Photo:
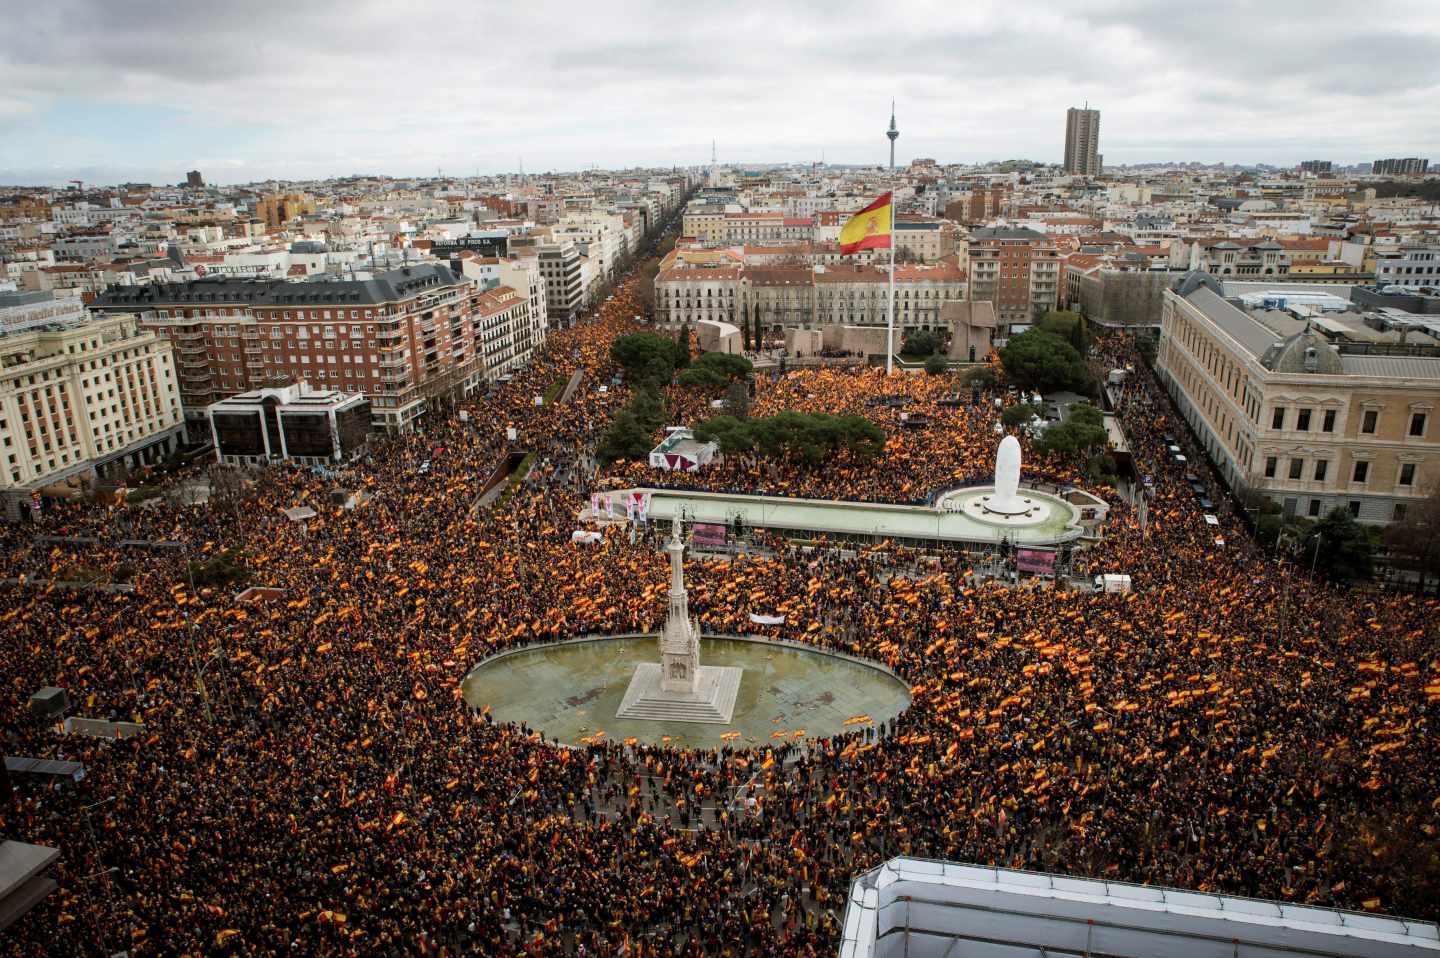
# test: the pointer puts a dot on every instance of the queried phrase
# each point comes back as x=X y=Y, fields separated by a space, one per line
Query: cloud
x=307 y=89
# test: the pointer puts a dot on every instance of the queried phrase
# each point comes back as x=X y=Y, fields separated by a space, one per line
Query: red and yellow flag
x=869 y=228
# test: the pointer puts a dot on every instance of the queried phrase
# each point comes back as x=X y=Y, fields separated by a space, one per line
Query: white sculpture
x=1007 y=480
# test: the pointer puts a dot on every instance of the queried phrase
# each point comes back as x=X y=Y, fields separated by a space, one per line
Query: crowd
x=309 y=779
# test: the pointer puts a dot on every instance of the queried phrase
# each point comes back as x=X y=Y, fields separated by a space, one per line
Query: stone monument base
x=712 y=702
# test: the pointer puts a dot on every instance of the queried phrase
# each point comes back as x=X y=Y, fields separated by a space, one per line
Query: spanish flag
x=869 y=228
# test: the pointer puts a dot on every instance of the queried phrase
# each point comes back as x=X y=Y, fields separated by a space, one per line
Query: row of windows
x=1360 y=470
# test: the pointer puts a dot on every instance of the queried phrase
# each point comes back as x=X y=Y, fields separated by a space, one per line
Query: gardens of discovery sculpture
x=1007 y=480
x=678 y=688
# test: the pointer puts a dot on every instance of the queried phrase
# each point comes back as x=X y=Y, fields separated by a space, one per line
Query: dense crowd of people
x=309 y=779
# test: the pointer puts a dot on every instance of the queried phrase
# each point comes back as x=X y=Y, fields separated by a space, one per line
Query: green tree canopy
x=981 y=376
x=935 y=364
x=812 y=437
x=920 y=342
x=646 y=356
x=1083 y=428
x=624 y=438
x=1019 y=413
x=1039 y=360
x=715 y=370
x=1346 y=553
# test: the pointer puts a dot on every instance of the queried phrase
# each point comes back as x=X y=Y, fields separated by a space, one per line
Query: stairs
x=712 y=704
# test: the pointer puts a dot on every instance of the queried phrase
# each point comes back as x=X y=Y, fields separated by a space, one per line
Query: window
x=1328 y=424
x=1322 y=466
x=1355 y=507
x=1302 y=420
x=1399 y=513
x=1417 y=424
x=1314 y=507
x=1407 y=474
x=1270 y=463
x=1361 y=473
x=1277 y=421
x=1296 y=468
x=1368 y=426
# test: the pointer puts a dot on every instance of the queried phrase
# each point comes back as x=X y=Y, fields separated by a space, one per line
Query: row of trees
x=812 y=437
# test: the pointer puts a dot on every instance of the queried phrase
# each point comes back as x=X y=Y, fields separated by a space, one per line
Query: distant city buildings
x=1402 y=166
x=194 y=180
x=1082 y=142
x=1317 y=167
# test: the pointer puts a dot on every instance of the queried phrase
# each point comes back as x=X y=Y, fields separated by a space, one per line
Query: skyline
x=110 y=93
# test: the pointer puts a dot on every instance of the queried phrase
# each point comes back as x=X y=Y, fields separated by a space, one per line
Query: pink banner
x=708 y=534
x=1035 y=560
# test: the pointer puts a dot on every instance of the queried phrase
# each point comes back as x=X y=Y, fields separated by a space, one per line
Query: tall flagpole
x=890 y=312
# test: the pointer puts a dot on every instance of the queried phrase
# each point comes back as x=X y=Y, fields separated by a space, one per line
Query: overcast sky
x=114 y=90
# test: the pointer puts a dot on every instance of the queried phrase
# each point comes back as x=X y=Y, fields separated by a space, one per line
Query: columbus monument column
x=678 y=688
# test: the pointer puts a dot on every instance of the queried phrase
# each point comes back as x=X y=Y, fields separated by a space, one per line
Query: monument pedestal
x=712 y=701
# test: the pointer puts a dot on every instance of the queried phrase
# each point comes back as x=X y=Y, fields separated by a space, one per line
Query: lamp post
x=95 y=850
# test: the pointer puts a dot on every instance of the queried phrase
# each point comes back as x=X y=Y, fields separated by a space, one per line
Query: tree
x=715 y=371
x=919 y=342
x=1083 y=429
x=935 y=364
x=981 y=377
x=645 y=356
x=648 y=408
x=1414 y=542
x=624 y=438
x=1039 y=360
x=810 y=436
x=737 y=401
x=682 y=348
x=1345 y=551
x=745 y=329
x=1019 y=414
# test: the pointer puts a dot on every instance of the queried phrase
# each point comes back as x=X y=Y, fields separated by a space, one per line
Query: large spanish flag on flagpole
x=869 y=228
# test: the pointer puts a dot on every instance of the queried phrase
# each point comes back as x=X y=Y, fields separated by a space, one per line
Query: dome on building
x=1305 y=352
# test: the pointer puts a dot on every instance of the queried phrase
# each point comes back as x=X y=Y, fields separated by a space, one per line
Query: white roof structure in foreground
x=930 y=909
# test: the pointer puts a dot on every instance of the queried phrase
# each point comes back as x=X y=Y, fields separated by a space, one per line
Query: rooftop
x=920 y=907
x=388 y=287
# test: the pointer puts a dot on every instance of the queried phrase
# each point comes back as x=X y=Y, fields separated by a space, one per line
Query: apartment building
x=275 y=211
x=79 y=400
x=566 y=285
x=1314 y=410
x=1413 y=266
x=1018 y=270
x=1400 y=166
x=925 y=241
x=402 y=338
x=1082 y=142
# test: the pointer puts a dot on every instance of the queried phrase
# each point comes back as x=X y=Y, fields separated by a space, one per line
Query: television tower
x=894 y=134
